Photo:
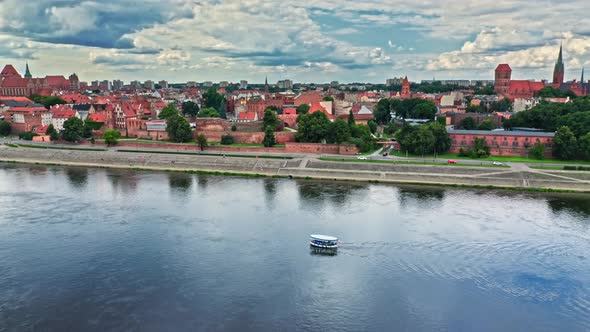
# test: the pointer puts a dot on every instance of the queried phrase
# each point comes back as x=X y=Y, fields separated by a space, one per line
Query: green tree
x=442 y=140
x=303 y=109
x=47 y=101
x=313 y=128
x=167 y=112
x=584 y=146
x=424 y=110
x=202 y=141
x=565 y=144
x=52 y=132
x=538 y=151
x=339 y=132
x=227 y=139
x=442 y=120
x=486 y=125
x=269 y=137
x=4 y=128
x=190 y=108
x=372 y=126
x=328 y=98
x=111 y=136
x=351 y=121
x=391 y=128
x=73 y=129
x=208 y=112
x=382 y=111
x=178 y=128
x=468 y=123
x=89 y=126
x=215 y=100
x=480 y=148
x=269 y=120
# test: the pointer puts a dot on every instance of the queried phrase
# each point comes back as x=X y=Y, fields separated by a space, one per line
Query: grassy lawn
x=11 y=145
x=205 y=154
x=58 y=147
x=497 y=158
x=553 y=168
x=412 y=163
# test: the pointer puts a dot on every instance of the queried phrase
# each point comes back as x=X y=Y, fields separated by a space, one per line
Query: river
x=86 y=249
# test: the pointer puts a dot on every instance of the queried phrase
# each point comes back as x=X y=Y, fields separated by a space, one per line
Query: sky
x=303 y=40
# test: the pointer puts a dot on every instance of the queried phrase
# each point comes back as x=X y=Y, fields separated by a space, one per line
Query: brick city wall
x=246 y=137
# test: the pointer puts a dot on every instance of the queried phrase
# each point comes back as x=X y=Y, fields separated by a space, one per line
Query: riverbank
x=309 y=168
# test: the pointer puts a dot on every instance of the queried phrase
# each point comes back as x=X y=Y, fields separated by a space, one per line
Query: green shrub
x=27 y=136
x=227 y=140
x=234 y=128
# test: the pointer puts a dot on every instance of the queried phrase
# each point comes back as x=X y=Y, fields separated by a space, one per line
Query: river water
x=111 y=250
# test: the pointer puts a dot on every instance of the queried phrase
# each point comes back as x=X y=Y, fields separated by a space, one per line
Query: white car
x=361 y=158
x=497 y=163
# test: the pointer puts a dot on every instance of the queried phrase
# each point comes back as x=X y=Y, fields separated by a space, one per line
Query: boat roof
x=323 y=237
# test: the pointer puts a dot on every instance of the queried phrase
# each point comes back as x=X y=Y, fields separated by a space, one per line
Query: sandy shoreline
x=308 y=168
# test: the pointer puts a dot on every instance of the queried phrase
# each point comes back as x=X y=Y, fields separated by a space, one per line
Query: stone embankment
x=310 y=167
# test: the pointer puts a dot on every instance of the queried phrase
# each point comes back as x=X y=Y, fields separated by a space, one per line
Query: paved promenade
x=517 y=176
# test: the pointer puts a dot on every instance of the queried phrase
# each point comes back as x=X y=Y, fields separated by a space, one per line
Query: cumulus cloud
x=297 y=37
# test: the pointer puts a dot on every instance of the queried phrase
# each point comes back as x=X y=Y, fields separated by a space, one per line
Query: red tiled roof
x=41 y=130
x=64 y=113
x=45 y=92
x=98 y=117
x=520 y=86
x=308 y=98
x=317 y=107
x=56 y=81
x=503 y=67
x=23 y=100
x=248 y=116
x=28 y=109
x=9 y=71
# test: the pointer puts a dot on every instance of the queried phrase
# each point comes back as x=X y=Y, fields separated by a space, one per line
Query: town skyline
x=181 y=40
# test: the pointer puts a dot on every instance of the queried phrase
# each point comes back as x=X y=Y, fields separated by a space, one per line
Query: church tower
x=266 y=89
x=559 y=70
x=406 y=93
x=28 y=72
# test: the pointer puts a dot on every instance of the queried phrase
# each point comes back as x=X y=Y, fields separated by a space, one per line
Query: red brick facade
x=501 y=143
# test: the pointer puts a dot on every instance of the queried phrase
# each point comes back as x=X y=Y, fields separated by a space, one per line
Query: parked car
x=497 y=163
x=385 y=154
x=452 y=161
x=361 y=158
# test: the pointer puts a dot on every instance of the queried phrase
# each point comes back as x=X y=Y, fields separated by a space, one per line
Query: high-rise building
x=285 y=84
x=223 y=84
x=117 y=85
x=559 y=70
x=135 y=84
x=191 y=84
x=207 y=84
x=334 y=84
x=105 y=85
x=95 y=84
x=394 y=81
x=149 y=85
x=163 y=84
x=243 y=84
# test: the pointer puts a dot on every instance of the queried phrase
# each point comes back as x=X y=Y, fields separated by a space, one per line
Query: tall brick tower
x=559 y=70
x=406 y=93
x=503 y=76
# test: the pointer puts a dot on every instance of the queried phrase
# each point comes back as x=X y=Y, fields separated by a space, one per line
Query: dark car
x=385 y=154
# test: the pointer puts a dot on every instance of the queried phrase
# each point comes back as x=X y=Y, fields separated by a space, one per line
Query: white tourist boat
x=323 y=241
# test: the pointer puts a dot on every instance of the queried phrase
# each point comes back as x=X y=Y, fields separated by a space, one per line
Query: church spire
x=28 y=72
x=582 y=78
x=559 y=70
x=266 y=85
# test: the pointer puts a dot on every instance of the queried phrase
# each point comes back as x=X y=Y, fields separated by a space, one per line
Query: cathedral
x=13 y=84
x=505 y=86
